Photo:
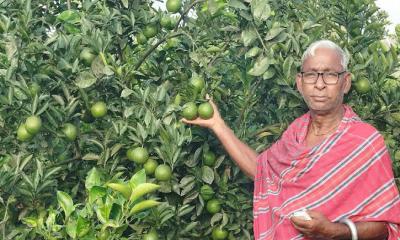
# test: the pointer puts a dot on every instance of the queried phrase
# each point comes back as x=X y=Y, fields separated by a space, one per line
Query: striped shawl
x=348 y=175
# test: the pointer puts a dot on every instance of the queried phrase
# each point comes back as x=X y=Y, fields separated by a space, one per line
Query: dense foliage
x=91 y=92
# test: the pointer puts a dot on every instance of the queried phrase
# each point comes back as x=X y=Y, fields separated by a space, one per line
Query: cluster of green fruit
x=167 y=22
x=33 y=124
x=213 y=204
x=140 y=156
x=29 y=128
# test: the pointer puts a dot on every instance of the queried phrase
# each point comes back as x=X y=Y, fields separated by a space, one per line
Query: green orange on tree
x=163 y=172
x=174 y=6
x=205 y=110
x=362 y=85
x=23 y=134
x=197 y=82
x=99 y=109
x=141 y=39
x=33 y=124
x=139 y=155
x=70 y=131
x=150 y=166
x=213 y=206
x=165 y=21
x=206 y=192
x=150 y=30
x=189 y=111
x=219 y=234
x=209 y=158
x=151 y=235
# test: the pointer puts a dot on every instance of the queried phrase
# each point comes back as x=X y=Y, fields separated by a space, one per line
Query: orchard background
x=106 y=81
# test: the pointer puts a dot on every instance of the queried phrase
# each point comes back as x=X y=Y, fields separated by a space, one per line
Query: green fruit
x=205 y=110
x=163 y=172
x=172 y=42
x=362 y=86
x=141 y=39
x=206 y=192
x=165 y=22
x=139 y=155
x=99 y=109
x=34 y=88
x=174 y=6
x=173 y=22
x=189 y=111
x=150 y=166
x=33 y=124
x=70 y=131
x=152 y=235
x=150 y=30
x=213 y=206
x=23 y=134
x=197 y=82
x=219 y=234
x=87 y=56
x=209 y=158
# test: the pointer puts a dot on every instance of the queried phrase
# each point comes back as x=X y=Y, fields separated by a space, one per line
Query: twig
x=150 y=50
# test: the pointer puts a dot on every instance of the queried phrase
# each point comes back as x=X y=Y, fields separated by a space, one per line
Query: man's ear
x=298 y=83
x=347 y=82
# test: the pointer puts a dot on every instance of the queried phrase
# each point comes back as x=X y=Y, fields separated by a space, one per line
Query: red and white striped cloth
x=347 y=175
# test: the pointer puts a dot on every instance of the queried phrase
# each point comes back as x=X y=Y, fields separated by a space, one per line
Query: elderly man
x=328 y=163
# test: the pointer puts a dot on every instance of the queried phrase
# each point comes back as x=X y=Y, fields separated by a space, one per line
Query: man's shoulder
x=362 y=129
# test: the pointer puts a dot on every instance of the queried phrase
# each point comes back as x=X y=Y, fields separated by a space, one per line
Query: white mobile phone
x=302 y=214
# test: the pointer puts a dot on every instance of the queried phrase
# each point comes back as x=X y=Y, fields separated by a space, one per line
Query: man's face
x=321 y=97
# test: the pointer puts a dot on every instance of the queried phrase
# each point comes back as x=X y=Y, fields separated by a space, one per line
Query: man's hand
x=211 y=123
x=319 y=227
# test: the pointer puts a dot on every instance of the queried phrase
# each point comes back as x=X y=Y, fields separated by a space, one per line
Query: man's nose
x=320 y=84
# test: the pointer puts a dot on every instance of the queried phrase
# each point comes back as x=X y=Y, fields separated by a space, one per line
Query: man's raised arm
x=241 y=153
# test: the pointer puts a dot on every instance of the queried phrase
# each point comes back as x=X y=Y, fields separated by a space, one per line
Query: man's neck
x=325 y=121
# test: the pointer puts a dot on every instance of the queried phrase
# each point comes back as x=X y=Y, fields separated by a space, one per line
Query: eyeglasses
x=329 y=78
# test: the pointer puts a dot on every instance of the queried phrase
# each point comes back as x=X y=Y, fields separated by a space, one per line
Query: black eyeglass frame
x=323 y=78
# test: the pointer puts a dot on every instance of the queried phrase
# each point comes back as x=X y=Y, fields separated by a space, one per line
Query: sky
x=392 y=7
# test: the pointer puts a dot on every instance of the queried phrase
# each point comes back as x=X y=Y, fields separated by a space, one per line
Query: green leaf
x=248 y=36
x=260 y=66
x=85 y=80
x=274 y=32
x=126 y=92
x=70 y=228
x=93 y=179
x=91 y=157
x=237 y=4
x=207 y=174
x=125 y=3
x=82 y=227
x=260 y=9
x=252 y=52
x=138 y=178
x=70 y=16
x=143 y=189
x=65 y=201
x=96 y=192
